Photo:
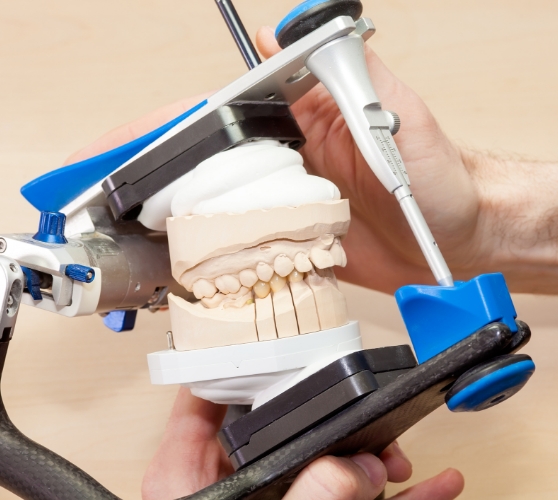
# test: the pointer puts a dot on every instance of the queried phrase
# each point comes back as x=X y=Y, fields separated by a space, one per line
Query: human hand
x=191 y=458
x=382 y=252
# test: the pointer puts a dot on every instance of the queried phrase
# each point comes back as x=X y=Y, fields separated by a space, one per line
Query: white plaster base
x=254 y=372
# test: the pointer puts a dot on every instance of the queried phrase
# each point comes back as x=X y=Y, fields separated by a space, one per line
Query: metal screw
x=13 y=268
x=3 y=245
x=170 y=341
x=89 y=275
x=10 y=301
x=138 y=287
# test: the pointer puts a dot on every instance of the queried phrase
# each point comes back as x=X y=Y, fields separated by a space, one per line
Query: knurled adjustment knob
x=51 y=228
x=81 y=273
x=311 y=15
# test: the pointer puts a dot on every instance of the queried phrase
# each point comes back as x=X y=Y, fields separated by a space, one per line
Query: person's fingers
x=126 y=133
x=190 y=456
x=361 y=477
x=398 y=466
x=266 y=43
x=445 y=486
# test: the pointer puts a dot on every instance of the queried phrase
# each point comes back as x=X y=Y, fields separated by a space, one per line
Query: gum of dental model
x=204 y=288
x=195 y=327
x=330 y=302
x=283 y=265
x=264 y=271
x=227 y=284
x=284 y=311
x=225 y=234
x=265 y=319
x=305 y=307
x=247 y=277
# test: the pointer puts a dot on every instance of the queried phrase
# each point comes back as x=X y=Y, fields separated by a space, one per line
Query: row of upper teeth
x=266 y=278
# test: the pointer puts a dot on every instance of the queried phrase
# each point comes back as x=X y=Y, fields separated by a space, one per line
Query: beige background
x=71 y=70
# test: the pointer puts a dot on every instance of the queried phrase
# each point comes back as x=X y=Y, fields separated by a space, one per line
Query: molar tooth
x=227 y=284
x=264 y=271
x=283 y=265
x=262 y=289
x=302 y=263
x=295 y=276
x=321 y=258
x=239 y=299
x=248 y=278
x=277 y=282
x=338 y=254
x=204 y=288
x=213 y=302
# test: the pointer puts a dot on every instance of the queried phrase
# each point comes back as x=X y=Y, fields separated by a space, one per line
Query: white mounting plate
x=183 y=367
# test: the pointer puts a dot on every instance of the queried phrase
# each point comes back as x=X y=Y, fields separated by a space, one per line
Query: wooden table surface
x=73 y=70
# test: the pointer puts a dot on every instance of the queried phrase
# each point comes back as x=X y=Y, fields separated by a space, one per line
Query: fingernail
x=373 y=468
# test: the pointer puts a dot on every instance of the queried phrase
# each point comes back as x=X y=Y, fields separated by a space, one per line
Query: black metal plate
x=227 y=126
x=368 y=425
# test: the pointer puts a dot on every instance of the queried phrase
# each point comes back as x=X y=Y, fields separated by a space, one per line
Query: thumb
x=361 y=477
x=266 y=43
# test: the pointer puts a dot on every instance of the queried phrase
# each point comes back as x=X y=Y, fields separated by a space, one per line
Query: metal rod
x=238 y=32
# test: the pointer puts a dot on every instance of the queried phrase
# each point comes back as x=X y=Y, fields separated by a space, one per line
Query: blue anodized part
x=54 y=190
x=492 y=388
x=438 y=317
x=77 y=272
x=120 y=321
x=32 y=283
x=51 y=228
x=294 y=13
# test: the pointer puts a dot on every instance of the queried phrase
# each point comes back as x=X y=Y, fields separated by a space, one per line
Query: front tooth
x=262 y=289
x=227 y=284
x=264 y=271
x=248 y=278
x=277 y=282
x=295 y=277
x=204 y=288
x=338 y=254
x=321 y=258
x=283 y=265
x=302 y=262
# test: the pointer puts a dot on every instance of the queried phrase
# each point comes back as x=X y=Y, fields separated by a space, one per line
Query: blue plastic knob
x=81 y=273
x=312 y=14
x=51 y=228
x=490 y=383
x=32 y=283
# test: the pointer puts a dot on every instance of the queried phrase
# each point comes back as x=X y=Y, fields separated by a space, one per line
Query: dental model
x=255 y=238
